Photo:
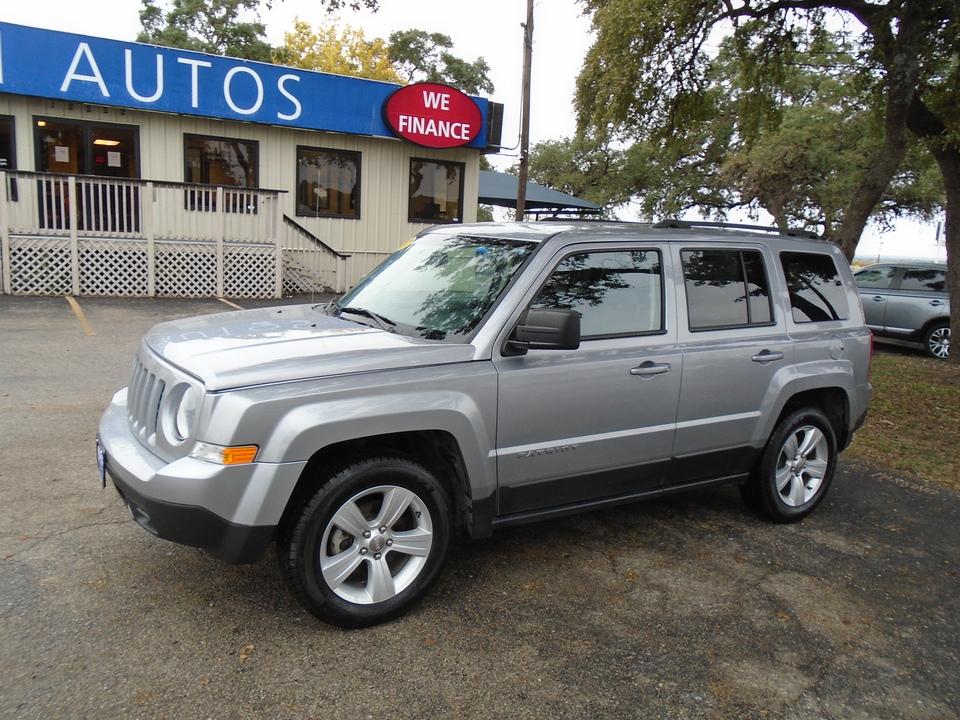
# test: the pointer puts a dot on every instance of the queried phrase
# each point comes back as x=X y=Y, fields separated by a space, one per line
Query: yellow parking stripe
x=78 y=311
x=230 y=303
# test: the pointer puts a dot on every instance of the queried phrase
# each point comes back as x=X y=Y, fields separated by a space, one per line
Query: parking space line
x=78 y=311
x=230 y=303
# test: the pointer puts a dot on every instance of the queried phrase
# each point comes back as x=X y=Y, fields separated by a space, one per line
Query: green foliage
x=420 y=56
x=342 y=51
x=780 y=119
x=220 y=27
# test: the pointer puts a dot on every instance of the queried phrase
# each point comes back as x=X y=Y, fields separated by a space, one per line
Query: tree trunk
x=930 y=128
x=902 y=63
x=949 y=161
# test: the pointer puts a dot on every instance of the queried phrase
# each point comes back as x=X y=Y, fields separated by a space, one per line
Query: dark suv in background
x=909 y=302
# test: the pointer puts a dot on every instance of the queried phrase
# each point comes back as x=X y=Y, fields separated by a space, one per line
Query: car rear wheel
x=936 y=342
x=368 y=543
x=796 y=468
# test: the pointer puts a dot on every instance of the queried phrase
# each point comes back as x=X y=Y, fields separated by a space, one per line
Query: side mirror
x=545 y=329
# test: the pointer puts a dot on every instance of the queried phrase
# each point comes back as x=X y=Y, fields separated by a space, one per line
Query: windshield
x=438 y=287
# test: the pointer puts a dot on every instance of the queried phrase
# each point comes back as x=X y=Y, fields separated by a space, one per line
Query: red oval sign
x=432 y=115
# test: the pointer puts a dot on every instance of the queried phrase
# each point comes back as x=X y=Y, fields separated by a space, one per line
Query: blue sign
x=77 y=68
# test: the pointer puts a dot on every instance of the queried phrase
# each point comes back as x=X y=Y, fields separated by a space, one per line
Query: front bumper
x=229 y=511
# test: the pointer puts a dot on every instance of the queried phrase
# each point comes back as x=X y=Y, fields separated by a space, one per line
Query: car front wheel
x=937 y=342
x=795 y=469
x=369 y=542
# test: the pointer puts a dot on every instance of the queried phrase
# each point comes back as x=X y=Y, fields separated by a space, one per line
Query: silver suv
x=487 y=375
x=908 y=302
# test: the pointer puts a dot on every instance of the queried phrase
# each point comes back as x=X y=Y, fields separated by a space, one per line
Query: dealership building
x=136 y=170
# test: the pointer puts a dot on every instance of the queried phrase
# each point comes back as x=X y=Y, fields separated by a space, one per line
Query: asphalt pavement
x=685 y=607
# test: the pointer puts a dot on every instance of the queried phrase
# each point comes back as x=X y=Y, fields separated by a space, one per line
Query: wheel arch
x=832 y=401
x=436 y=450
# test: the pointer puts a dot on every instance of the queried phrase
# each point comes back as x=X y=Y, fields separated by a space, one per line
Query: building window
x=225 y=162
x=83 y=148
x=7 y=159
x=328 y=183
x=221 y=161
x=726 y=289
x=436 y=191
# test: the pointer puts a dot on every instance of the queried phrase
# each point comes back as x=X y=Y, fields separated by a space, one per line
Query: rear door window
x=924 y=280
x=726 y=288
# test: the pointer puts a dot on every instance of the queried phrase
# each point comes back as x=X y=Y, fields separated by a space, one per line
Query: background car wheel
x=796 y=468
x=937 y=341
x=369 y=542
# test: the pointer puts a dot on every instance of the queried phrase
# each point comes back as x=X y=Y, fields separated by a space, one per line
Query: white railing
x=115 y=207
x=113 y=236
x=303 y=249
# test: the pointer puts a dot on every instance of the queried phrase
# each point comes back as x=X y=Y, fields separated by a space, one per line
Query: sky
x=491 y=29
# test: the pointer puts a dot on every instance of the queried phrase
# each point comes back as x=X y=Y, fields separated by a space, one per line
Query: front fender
x=292 y=422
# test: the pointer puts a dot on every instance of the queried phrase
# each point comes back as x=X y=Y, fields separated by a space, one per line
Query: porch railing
x=86 y=235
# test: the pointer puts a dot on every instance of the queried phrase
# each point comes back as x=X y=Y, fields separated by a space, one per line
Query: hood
x=255 y=347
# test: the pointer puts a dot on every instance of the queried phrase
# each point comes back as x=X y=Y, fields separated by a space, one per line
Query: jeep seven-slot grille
x=143 y=401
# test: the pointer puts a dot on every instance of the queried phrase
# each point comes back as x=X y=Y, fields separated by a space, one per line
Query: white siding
x=384 y=172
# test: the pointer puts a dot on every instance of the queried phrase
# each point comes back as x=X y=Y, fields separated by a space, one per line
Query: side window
x=815 y=288
x=616 y=293
x=878 y=278
x=726 y=288
x=924 y=280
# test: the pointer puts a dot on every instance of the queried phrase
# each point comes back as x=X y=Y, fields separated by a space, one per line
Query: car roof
x=588 y=230
x=925 y=264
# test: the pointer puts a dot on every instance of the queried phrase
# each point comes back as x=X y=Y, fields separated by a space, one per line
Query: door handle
x=767 y=357
x=650 y=368
x=937 y=303
x=878 y=298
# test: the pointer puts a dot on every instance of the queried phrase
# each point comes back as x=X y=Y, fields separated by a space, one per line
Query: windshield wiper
x=382 y=322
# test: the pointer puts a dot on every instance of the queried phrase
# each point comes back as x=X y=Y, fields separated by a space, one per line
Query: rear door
x=596 y=422
x=734 y=345
x=920 y=297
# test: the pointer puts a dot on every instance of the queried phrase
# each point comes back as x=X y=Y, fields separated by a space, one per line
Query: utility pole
x=525 y=114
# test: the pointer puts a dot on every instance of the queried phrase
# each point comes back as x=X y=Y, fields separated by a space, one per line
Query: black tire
x=936 y=341
x=796 y=467
x=381 y=528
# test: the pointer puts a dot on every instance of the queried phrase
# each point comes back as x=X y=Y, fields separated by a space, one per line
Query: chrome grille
x=143 y=401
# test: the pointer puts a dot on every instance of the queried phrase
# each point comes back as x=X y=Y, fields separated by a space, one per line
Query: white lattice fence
x=186 y=270
x=40 y=266
x=114 y=268
x=136 y=238
x=249 y=271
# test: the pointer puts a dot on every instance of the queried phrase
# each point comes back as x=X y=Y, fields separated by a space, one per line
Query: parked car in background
x=909 y=302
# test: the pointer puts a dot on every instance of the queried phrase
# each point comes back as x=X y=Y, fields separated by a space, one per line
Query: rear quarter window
x=815 y=287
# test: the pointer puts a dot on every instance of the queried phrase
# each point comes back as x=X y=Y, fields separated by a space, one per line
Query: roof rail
x=689 y=224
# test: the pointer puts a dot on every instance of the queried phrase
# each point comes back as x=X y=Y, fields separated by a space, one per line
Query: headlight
x=179 y=418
